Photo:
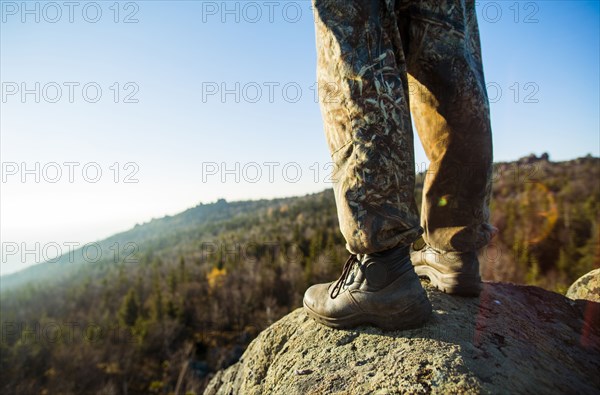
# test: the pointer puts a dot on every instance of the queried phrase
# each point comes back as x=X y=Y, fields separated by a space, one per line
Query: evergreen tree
x=157 y=306
x=182 y=272
x=130 y=309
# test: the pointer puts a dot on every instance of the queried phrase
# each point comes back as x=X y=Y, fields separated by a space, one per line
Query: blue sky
x=165 y=131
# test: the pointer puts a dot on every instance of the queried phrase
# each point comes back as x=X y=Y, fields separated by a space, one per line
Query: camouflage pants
x=378 y=61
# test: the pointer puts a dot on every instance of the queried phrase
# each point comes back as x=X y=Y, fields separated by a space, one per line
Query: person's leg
x=363 y=95
x=450 y=106
x=364 y=91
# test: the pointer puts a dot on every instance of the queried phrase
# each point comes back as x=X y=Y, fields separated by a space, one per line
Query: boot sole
x=413 y=316
x=451 y=283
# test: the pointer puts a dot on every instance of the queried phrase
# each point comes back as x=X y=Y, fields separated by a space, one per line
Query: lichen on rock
x=586 y=287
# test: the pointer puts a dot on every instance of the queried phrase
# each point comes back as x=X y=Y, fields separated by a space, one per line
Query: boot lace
x=344 y=277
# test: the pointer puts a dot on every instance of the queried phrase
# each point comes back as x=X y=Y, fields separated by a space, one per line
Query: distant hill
x=179 y=297
x=166 y=234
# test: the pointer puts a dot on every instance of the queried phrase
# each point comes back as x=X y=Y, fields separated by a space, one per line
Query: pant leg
x=450 y=105
x=363 y=96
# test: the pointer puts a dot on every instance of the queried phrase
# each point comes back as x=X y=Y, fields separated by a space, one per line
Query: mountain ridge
x=221 y=210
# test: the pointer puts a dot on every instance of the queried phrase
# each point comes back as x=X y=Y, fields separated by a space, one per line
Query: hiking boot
x=378 y=289
x=452 y=272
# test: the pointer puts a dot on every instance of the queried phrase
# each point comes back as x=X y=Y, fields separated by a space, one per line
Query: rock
x=511 y=339
x=586 y=287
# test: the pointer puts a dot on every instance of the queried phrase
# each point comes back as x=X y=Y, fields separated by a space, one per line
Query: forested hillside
x=180 y=297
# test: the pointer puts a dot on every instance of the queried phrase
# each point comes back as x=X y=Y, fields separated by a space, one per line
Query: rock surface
x=586 y=287
x=511 y=339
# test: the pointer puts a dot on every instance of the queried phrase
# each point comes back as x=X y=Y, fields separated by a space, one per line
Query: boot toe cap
x=316 y=296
